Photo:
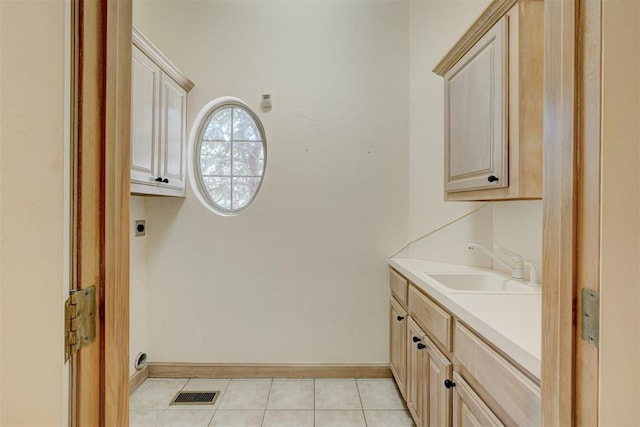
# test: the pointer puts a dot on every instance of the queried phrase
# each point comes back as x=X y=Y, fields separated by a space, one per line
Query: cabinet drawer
x=434 y=320
x=398 y=287
x=516 y=394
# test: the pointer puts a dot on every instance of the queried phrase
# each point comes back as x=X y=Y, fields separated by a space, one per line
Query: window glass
x=230 y=156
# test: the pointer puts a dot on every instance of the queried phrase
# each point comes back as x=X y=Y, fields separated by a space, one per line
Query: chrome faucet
x=517 y=263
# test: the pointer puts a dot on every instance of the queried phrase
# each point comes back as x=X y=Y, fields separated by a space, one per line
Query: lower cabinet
x=428 y=370
x=415 y=356
x=397 y=345
x=425 y=339
x=438 y=372
x=468 y=409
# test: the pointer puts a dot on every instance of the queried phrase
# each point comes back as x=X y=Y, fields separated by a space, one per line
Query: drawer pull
x=166 y=180
x=492 y=178
x=416 y=339
x=421 y=346
x=158 y=179
x=400 y=318
x=448 y=383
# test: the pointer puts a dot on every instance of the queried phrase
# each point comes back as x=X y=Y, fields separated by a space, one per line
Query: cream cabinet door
x=398 y=345
x=145 y=91
x=415 y=373
x=476 y=122
x=173 y=110
x=437 y=411
x=468 y=409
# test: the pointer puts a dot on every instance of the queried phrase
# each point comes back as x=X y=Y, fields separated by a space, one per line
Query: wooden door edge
x=588 y=205
x=558 y=292
x=572 y=173
x=116 y=211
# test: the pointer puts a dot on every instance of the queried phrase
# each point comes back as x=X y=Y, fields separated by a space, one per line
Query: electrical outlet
x=140 y=227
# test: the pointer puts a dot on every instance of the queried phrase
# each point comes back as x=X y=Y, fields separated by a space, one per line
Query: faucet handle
x=514 y=256
x=517 y=262
x=533 y=272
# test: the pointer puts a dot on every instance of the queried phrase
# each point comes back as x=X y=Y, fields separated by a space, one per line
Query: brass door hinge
x=591 y=317
x=79 y=320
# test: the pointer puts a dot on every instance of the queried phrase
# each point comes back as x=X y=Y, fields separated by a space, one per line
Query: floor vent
x=195 y=398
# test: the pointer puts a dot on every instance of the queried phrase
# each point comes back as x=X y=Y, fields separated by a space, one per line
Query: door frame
x=571 y=205
x=571 y=176
x=101 y=103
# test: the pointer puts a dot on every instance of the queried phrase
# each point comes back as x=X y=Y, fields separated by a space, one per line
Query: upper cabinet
x=158 y=121
x=493 y=105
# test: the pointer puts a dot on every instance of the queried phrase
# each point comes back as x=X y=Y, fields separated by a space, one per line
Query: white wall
x=300 y=276
x=434 y=27
x=449 y=244
x=138 y=285
x=32 y=261
x=518 y=226
x=620 y=278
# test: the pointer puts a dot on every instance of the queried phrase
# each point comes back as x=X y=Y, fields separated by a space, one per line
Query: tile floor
x=272 y=403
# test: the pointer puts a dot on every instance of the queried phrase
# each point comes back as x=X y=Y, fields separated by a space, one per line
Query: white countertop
x=512 y=322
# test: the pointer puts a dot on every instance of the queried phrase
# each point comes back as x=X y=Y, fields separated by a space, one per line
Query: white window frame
x=195 y=142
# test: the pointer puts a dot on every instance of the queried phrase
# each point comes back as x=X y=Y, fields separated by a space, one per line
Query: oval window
x=230 y=155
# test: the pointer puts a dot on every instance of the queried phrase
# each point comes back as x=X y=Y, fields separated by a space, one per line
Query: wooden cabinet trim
x=399 y=286
x=414 y=396
x=397 y=326
x=515 y=393
x=151 y=50
x=467 y=403
x=438 y=409
x=431 y=317
x=485 y=21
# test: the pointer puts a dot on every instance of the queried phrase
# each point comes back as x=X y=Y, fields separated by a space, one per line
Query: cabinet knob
x=492 y=178
x=158 y=179
x=400 y=318
x=416 y=339
x=448 y=383
x=166 y=180
x=421 y=346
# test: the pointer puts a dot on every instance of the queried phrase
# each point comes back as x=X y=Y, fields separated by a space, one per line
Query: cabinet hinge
x=79 y=320
x=591 y=317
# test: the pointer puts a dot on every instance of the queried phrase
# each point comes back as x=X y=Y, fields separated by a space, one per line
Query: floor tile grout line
x=212 y=415
x=266 y=404
x=222 y=393
x=361 y=405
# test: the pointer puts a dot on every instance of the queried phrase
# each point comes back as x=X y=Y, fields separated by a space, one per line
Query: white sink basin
x=482 y=282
